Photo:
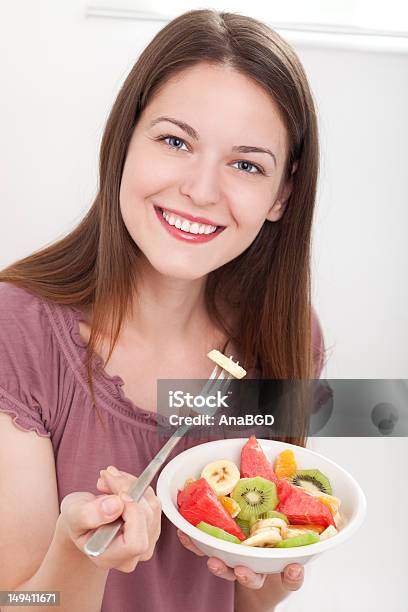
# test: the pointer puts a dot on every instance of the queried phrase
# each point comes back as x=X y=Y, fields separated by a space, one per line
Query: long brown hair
x=268 y=285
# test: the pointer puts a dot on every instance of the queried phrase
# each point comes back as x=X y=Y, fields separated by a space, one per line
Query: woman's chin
x=180 y=271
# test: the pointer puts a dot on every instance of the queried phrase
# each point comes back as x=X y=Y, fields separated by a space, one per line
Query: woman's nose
x=202 y=183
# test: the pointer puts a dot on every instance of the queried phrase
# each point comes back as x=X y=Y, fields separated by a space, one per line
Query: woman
x=199 y=238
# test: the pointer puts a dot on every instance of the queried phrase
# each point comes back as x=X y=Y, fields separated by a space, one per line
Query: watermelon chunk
x=198 y=502
x=255 y=463
x=182 y=496
x=300 y=507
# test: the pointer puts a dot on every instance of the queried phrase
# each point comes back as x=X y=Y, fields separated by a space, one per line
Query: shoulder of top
x=24 y=318
x=13 y=298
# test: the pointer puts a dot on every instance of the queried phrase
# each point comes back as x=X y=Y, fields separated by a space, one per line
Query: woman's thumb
x=111 y=505
x=84 y=511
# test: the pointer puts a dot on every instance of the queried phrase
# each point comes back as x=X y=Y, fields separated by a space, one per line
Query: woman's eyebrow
x=193 y=134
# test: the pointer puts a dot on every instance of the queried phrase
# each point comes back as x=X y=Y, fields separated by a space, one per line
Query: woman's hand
x=82 y=513
x=243 y=575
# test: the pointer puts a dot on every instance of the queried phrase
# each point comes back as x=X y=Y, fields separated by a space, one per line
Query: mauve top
x=42 y=385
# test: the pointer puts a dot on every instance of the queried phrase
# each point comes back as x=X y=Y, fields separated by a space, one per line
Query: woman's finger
x=218 y=568
x=293 y=576
x=116 y=480
x=133 y=515
x=187 y=543
x=115 y=472
x=151 y=497
x=102 y=486
x=248 y=578
x=112 y=485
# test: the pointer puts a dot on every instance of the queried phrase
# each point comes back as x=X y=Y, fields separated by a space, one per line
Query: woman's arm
x=36 y=551
x=66 y=569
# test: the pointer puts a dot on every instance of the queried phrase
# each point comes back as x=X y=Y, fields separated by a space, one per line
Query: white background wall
x=60 y=73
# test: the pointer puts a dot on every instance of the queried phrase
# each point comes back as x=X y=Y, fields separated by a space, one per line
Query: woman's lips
x=186 y=236
x=191 y=218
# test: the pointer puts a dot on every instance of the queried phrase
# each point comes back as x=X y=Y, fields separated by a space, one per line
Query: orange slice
x=231 y=506
x=333 y=503
x=285 y=464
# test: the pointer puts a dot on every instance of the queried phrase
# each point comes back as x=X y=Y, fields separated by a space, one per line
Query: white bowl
x=190 y=463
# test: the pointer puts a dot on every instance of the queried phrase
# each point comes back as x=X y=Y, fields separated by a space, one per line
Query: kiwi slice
x=254 y=496
x=275 y=514
x=311 y=480
x=300 y=540
x=217 y=532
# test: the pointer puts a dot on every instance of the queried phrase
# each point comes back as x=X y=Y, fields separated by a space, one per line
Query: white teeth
x=186 y=226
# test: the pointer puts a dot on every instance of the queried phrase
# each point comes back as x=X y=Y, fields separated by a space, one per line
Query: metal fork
x=219 y=380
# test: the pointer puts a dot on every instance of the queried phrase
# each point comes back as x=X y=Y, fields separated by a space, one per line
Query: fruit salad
x=261 y=504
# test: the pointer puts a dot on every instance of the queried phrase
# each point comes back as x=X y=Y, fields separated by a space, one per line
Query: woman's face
x=197 y=174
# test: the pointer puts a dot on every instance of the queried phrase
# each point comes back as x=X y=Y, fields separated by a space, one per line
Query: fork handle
x=103 y=536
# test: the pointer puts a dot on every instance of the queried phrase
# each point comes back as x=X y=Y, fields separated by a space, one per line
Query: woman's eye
x=175 y=139
x=258 y=170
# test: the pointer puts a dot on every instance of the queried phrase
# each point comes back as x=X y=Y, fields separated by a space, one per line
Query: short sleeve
x=25 y=353
x=318 y=348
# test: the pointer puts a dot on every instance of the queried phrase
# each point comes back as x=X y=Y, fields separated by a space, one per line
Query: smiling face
x=196 y=166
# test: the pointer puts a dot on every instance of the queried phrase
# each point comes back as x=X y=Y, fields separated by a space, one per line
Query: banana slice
x=221 y=475
x=291 y=533
x=263 y=524
x=226 y=363
x=329 y=532
x=265 y=537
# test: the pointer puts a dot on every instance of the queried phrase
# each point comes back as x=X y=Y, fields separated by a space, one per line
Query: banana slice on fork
x=227 y=364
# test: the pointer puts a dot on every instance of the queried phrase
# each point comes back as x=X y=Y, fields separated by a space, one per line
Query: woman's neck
x=166 y=309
